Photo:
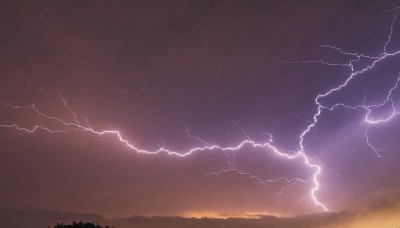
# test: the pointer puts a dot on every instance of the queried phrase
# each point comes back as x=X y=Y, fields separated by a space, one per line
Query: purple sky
x=150 y=68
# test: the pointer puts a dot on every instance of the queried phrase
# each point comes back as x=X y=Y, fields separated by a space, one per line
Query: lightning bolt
x=299 y=155
x=368 y=108
x=76 y=125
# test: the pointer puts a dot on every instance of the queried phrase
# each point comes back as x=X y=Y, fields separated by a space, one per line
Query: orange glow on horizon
x=221 y=215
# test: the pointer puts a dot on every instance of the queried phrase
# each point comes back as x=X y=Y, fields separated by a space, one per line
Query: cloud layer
x=382 y=210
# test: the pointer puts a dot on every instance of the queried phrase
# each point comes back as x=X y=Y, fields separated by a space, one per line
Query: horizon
x=367 y=219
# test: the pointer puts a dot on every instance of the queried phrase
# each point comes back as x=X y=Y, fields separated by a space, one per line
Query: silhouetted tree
x=80 y=225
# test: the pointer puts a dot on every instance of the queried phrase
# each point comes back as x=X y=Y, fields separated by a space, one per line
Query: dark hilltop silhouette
x=80 y=225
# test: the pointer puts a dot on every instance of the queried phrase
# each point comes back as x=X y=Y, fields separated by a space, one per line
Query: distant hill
x=42 y=218
x=46 y=218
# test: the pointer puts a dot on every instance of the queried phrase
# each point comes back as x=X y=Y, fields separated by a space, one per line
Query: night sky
x=173 y=73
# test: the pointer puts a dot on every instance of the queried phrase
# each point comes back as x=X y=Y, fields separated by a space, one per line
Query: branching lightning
x=299 y=155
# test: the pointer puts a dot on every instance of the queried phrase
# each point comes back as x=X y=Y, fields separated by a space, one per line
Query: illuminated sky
x=180 y=75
